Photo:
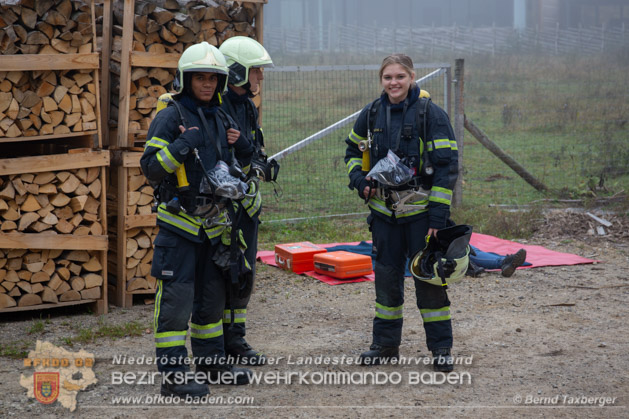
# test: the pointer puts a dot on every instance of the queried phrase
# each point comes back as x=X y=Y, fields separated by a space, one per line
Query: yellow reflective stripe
x=355 y=138
x=252 y=205
x=379 y=205
x=441 y=195
x=389 y=313
x=240 y=315
x=166 y=159
x=156 y=142
x=217 y=230
x=180 y=220
x=435 y=315
x=170 y=339
x=214 y=231
x=354 y=162
x=410 y=214
x=206 y=331
x=158 y=303
x=453 y=145
x=441 y=143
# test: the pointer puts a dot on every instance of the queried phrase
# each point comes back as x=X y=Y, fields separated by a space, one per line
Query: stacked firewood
x=139 y=255
x=64 y=202
x=138 y=250
x=140 y=194
x=45 y=26
x=170 y=26
x=137 y=258
x=50 y=276
x=47 y=102
x=181 y=23
x=147 y=85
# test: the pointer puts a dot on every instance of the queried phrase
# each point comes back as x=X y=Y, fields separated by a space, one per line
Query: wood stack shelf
x=53 y=243
x=147 y=42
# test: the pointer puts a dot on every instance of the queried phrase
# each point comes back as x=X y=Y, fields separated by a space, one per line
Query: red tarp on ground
x=536 y=255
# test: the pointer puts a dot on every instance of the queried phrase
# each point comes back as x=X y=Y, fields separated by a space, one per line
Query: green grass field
x=563 y=118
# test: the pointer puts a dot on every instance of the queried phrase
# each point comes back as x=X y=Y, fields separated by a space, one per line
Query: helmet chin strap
x=247 y=87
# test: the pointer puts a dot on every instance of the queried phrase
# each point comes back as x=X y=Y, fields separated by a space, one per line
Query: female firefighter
x=402 y=125
x=246 y=58
x=185 y=139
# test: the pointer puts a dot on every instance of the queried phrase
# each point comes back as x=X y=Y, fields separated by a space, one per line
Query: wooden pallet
x=68 y=257
x=132 y=228
x=35 y=66
x=73 y=261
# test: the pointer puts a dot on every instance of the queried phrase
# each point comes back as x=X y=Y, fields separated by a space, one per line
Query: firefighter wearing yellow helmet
x=193 y=132
x=246 y=58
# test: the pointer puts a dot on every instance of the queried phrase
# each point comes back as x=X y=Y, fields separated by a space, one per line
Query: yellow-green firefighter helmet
x=201 y=58
x=445 y=258
x=242 y=54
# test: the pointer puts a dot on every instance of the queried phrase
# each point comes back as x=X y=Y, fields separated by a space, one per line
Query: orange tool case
x=297 y=257
x=342 y=264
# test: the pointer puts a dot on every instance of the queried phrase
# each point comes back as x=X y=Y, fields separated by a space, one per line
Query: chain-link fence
x=307 y=114
x=564 y=119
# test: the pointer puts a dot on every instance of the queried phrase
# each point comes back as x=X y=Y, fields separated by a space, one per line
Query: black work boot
x=191 y=388
x=442 y=361
x=474 y=270
x=511 y=262
x=226 y=374
x=377 y=355
x=244 y=354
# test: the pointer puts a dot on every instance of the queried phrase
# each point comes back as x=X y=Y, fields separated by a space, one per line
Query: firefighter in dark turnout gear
x=402 y=216
x=189 y=278
x=245 y=58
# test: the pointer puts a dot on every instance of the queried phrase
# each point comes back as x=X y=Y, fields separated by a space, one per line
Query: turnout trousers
x=394 y=244
x=235 y=331
x=189 y=284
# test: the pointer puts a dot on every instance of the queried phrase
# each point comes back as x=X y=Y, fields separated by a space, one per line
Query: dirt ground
x=547 y=342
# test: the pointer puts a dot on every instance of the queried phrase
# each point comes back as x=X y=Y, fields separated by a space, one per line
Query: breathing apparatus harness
x=261 y=168
x=207 y=205
x=418 y=188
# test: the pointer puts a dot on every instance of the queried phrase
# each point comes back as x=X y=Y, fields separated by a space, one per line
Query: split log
x=29 y=300
x=91 y=293
x=93 y=265
x=49 y=296
x=70 y=295
x=77 y=283
x=93 y=280
x=6 y=301
x=137 y=284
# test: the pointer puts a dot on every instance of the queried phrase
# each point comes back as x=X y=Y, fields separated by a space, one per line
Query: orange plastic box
x=297 y=257
x=342 y=264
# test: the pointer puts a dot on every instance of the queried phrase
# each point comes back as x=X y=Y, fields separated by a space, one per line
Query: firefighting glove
x=189 y=140
x=361 y=187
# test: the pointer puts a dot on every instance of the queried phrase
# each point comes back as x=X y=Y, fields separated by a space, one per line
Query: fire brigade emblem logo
x=46 y=386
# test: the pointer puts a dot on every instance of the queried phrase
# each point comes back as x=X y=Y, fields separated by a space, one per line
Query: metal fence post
x=459 y=129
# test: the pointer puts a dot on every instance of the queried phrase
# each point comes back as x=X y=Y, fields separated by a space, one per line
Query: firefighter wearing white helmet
x=192 y=132
x=246 y=58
